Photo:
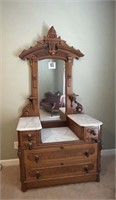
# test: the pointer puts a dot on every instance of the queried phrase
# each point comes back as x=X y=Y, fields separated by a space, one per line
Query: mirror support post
x=69 y=63
x=34 y=84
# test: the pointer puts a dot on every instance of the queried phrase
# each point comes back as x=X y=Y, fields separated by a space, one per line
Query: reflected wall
x=51 y=87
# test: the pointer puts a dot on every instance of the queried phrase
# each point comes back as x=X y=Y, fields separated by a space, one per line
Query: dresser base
x=59 y=181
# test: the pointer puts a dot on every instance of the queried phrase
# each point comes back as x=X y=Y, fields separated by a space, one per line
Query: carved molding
x=51 y=45
x=29 y=110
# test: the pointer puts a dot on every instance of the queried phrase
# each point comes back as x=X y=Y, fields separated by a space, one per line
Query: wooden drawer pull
x=93 y=132
x=30 y=145
x=86 y=153
x=95 y=140
x=36 y=158
x=29 y=137
x=86 y=168
x=37 y=174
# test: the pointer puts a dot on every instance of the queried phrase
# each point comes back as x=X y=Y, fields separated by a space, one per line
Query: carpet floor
x=105 y=189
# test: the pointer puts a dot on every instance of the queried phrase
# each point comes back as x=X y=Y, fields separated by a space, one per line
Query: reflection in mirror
x=51 y=80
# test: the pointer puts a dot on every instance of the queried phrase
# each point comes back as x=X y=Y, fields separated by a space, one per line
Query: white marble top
x=29 y=123
x=84 y=120
x=59 y=134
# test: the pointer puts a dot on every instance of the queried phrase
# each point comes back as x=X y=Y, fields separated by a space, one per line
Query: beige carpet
x=105 y=189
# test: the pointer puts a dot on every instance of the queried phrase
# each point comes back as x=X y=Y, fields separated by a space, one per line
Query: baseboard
x=9 y=162
x=108 y=152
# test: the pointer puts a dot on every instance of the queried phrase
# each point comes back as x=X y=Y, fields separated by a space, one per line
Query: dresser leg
x=23 y=187
x=98 y=178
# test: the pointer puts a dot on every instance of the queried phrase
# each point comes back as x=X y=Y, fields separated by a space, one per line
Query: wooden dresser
x=59 y=150
x=75 y=159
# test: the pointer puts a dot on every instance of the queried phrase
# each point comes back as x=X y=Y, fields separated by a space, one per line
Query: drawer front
x=60 y=171
x=64 y=152
x=28 y=139
x=92 y=133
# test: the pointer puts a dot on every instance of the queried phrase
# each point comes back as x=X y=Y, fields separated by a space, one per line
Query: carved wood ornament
x=51 y=47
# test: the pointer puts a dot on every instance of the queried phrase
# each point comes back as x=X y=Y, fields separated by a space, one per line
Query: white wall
x=0 y=68
x=115 y=83
x=87 y=25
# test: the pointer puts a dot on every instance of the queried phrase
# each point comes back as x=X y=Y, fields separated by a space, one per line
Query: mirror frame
x=51 y=47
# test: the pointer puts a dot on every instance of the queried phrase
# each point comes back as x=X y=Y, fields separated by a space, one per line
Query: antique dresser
x=63 y=148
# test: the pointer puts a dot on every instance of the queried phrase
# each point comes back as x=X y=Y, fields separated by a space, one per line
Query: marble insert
x=62 y=109
x=85 y=120
x=29 y=123
x=50 y=118
x=59 y=134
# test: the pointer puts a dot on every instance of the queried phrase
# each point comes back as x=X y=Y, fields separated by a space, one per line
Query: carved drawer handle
x=30 y=145
x=36 y=158
x=86 y=168
x=93 y=132
x=29 y=137
x=86 y=153
x=95 y=140
x=37 y=174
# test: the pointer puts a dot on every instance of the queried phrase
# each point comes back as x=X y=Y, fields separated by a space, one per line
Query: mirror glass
x=51 y=86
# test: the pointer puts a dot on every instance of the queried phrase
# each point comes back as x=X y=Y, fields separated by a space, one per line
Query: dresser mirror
x=54 y=55
x=51 y=88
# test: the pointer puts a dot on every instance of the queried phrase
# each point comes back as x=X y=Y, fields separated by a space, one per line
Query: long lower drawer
x=59 y=171
x=46 y=155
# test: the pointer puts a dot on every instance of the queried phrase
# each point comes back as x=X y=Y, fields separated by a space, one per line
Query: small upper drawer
x=29 y=136
x=92 y=133
x=28 y=139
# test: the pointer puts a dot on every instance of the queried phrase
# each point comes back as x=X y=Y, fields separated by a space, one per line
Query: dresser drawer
x=28 y=139
x=92 y=133
x=64 y=152
x=60 y=171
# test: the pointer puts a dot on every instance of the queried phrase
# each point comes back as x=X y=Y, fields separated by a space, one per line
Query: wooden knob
x=30 y=145
x=36 y=158
x=86 y=168
x=93 y=132
x=95 y=140
x=29 y=137
x=37 y=174
x=86 y=153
